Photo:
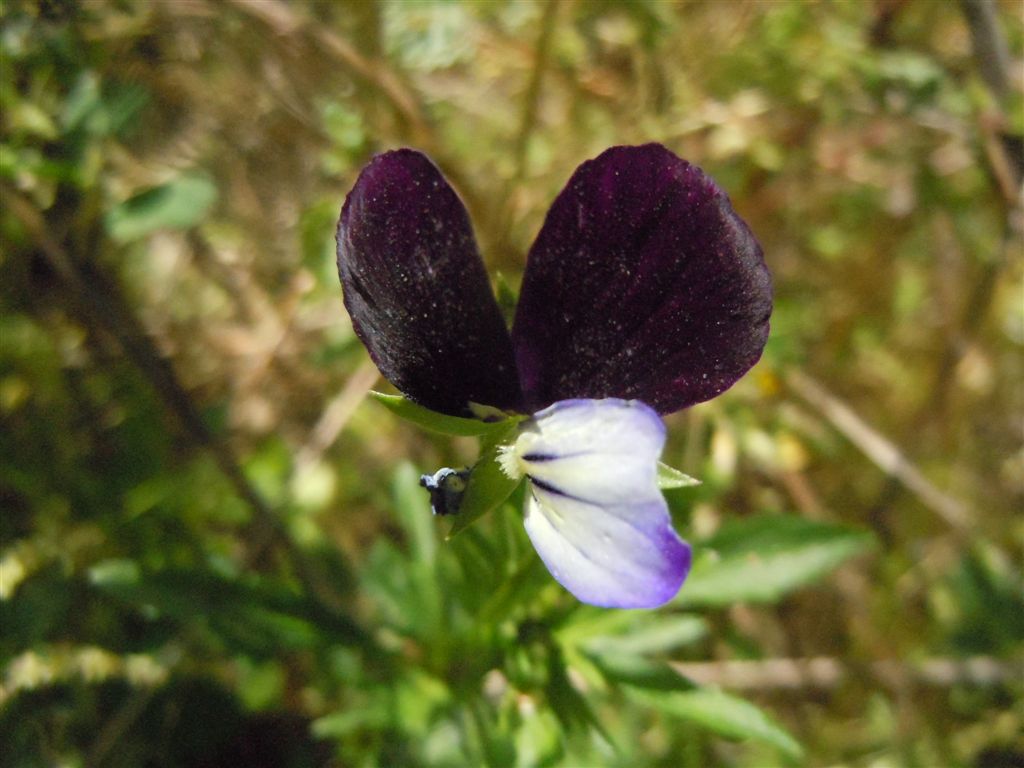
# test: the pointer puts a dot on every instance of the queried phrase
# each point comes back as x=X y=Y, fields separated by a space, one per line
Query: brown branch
x=827 y=673
x=1004 y=150
x=989 y=45
x=335 y=416
x=1006 y=167
x=285 y=22
x=533 y=90
x=879 y=449
x=497 y=232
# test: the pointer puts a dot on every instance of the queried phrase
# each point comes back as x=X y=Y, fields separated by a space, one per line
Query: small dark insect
x=446 y=487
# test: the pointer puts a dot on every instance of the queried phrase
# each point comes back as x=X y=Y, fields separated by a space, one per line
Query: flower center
x=510 y=462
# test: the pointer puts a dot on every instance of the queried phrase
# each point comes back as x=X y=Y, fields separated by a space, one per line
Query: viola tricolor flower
x=644 y=293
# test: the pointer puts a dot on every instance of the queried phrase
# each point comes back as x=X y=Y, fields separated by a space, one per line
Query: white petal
x=595 y=514
x=603 y=449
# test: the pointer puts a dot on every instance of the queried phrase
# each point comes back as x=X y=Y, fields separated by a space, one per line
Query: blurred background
x=213 y=549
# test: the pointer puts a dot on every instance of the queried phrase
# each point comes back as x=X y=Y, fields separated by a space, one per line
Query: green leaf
x=507 y=298
x=650 y=635
x=179 y=204
x=499 y=750
x=721 y=713
x=439 y=422
x=488 y=485
x=417 y=695
x=82 y=101
x=637 y=671
x=415 y=585
x=391 y=581
x=658 y=685
x=515 y=593
x=538 y=739
x=337 y=725
x=761 y=559
x=572 y=709
x=249 y=612
x=482 y=571
x=670 y=477
x=413 y=509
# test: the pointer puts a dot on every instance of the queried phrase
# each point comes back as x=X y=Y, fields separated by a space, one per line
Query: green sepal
x=488 y=485
x=440 y=422
x=670 y=477
x=507 y=297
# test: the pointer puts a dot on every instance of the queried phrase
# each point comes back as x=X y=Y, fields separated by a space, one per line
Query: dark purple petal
x=642 y=284
x=417 y=290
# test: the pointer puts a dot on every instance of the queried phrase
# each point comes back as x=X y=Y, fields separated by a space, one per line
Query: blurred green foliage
x=213 y=547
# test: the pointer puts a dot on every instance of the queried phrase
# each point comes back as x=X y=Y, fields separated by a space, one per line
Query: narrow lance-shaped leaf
x=657 y=635
x=658 y=686
x=179 y=204
x=253 y=613
x=439 y=422
x=721 y=713
x=762 y=559
x=488 y=485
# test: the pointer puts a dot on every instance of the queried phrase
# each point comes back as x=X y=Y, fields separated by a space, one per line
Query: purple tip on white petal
x=610 y=556
x=595 y=514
